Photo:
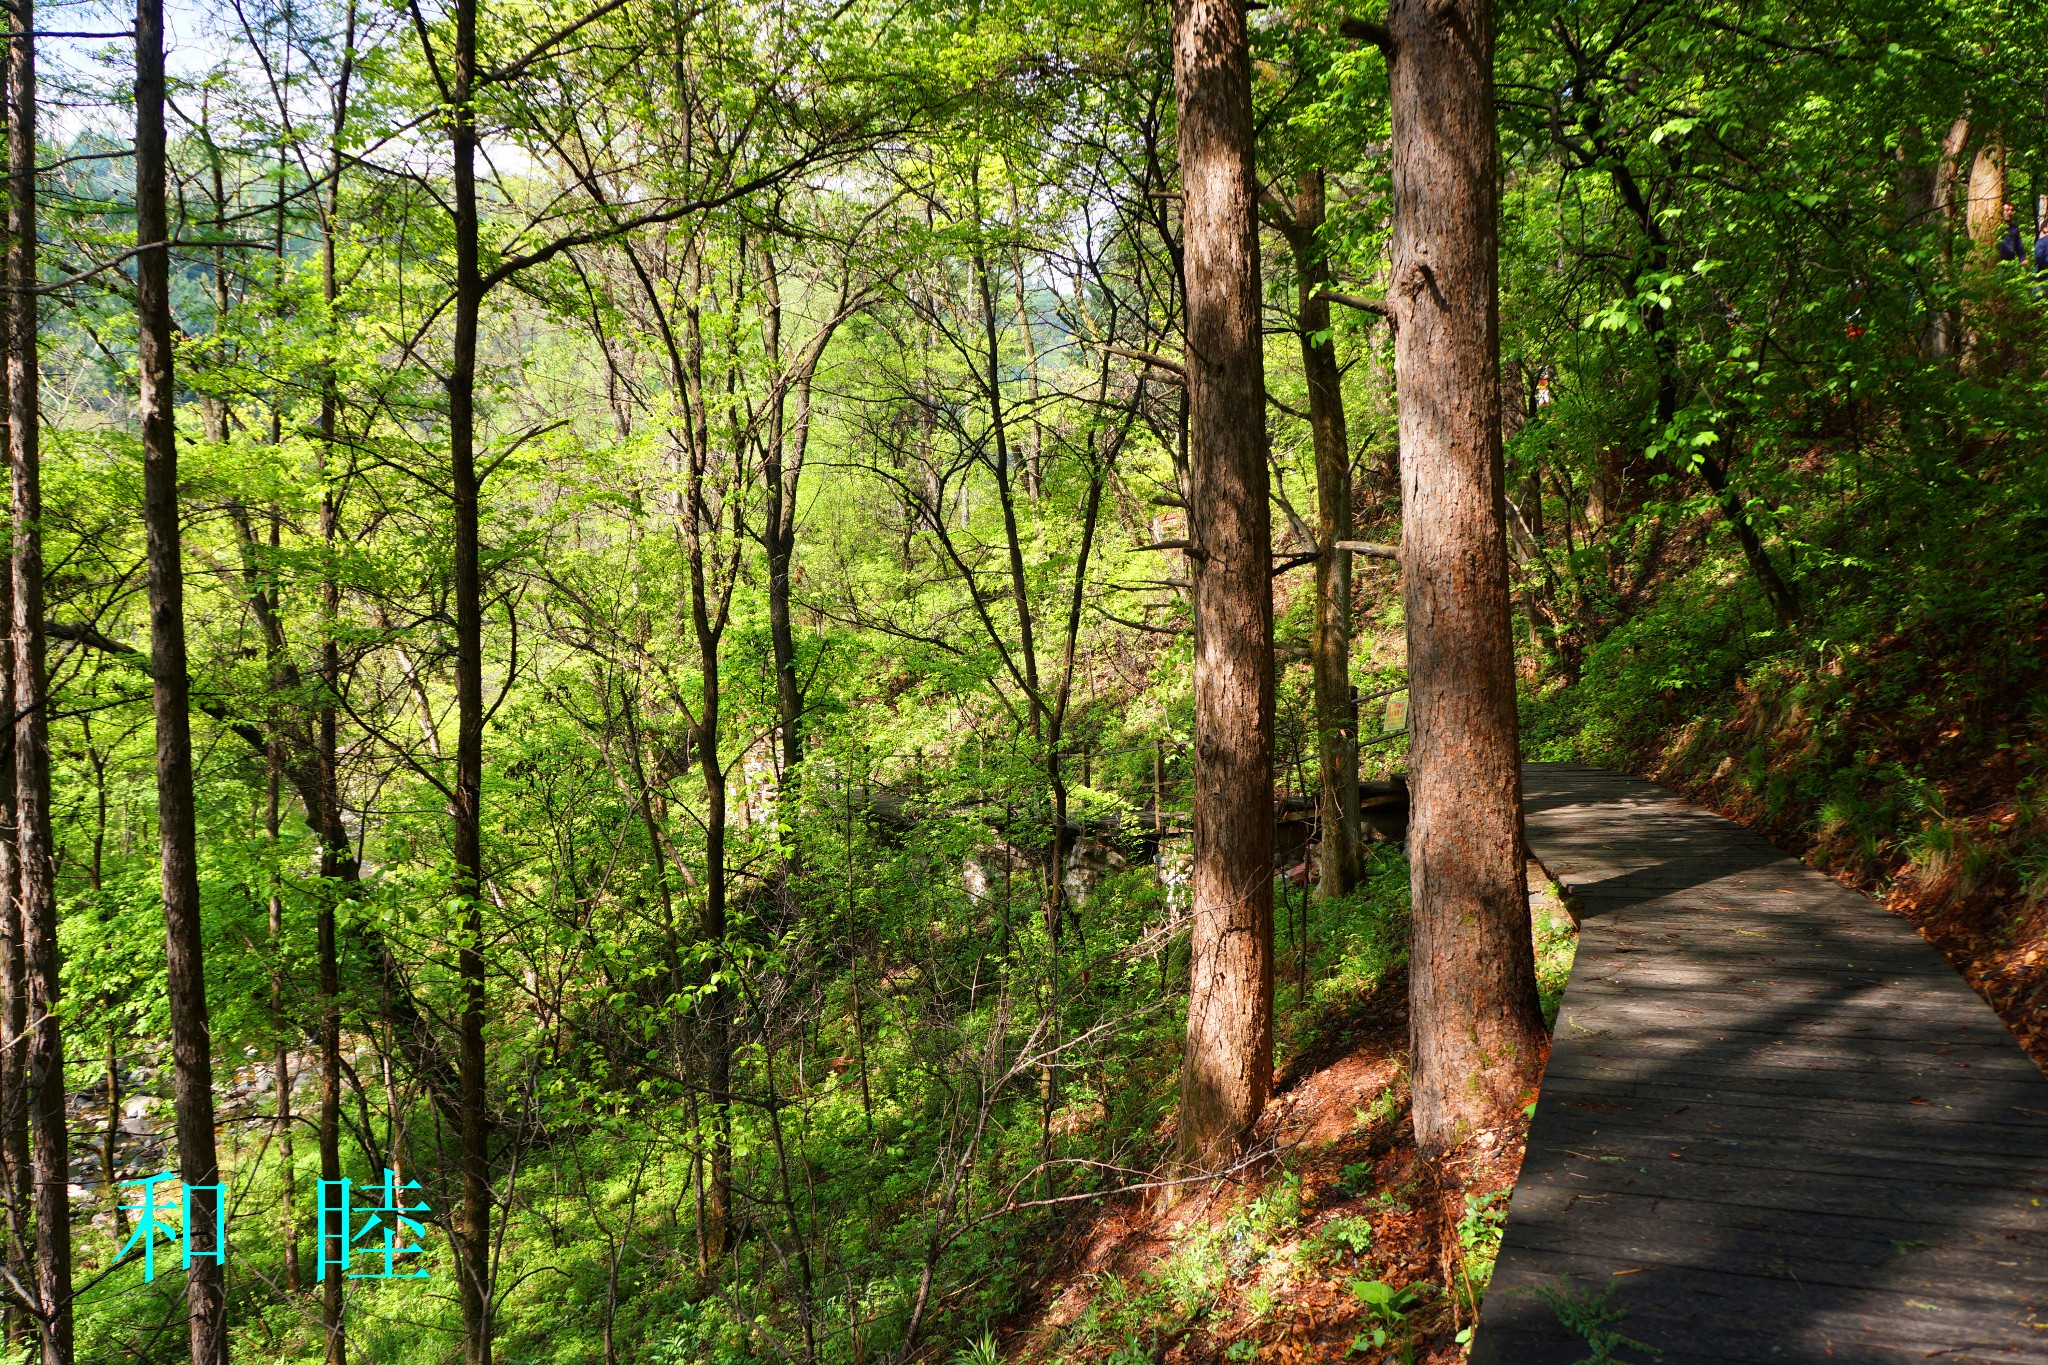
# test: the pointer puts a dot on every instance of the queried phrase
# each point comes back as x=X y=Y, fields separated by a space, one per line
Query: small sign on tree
x=1397 y=713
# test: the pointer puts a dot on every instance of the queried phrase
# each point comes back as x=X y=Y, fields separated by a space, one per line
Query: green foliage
x=1591 y=1317
x=1383 y=1108
x=982 y=1351
x=1361 y=942
x=1390 y=1310
x=1132 y=1352
x=1350 y=1234
x=1480 y=1228
x=1557 y=942
x=1358 y=1178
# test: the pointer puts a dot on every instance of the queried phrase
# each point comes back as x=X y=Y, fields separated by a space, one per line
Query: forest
x=845 y=683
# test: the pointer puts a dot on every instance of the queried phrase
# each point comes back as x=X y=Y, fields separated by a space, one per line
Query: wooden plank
x=1622 y=1052
x=1746 y=1190
x=1850 y=1105
x=1674 y=1307
x=1880 y=1154
x=1810 y=1021
x=1883 y=1179
x=1636 y=1232
x=1774 y=1119
x=1886 y=1233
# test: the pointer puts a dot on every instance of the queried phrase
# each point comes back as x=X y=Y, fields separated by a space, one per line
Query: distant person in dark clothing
x=2041 y=250
x=2011 y=246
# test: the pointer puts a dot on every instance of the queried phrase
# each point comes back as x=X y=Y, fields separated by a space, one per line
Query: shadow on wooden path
x=1776 y=1125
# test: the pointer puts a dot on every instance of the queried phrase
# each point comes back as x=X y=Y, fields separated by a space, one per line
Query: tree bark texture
x=1942 y=321
x=1227 y=1071
x=36 y=891
x=1477 y=1034
x=191 y=1045
x=1984 y=217
x=16 y=1194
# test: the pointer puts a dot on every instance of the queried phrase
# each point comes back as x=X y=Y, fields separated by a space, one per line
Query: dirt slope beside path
x=1337 y=1246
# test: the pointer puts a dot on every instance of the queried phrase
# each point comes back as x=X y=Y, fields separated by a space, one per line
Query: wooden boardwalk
x=1776 y=1125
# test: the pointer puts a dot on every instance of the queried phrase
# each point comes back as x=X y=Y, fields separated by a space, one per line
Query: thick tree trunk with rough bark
x=1477 y=1034
x=1227 y=1072
x=184 y=936
x=36 y=889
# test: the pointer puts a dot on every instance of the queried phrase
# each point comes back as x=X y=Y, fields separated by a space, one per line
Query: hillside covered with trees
x=845 y=683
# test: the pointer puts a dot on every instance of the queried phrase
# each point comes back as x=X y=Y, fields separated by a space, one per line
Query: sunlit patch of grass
x=1384 y=1106
x=1835 y=816
x=1187 y=1283
x=2031 y=869
x=1361 y=942
x=1350 y=1235
x=1557 y=945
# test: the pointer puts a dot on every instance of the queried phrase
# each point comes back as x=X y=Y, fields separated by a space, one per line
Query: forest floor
x=1338 y=1246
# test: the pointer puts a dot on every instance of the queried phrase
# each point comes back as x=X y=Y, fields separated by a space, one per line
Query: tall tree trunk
x=1227 y=1071
x=1336 y=734
x=721 y=1002
x=213 y=408
x=110 y=1136
x=699 y=522
x=43 y=1084
x=781 y=471
x=191 y=1045
x=1000 y=466
x=331 y=1248
x=1020 y=598
x=474 y=1224
x=273 y=771
x=337 y=862
x=281 y=1060
x=1984 y=217
x=782 y=477
x=1942 y=320
x=1476 y=1030
x=16 y=1195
